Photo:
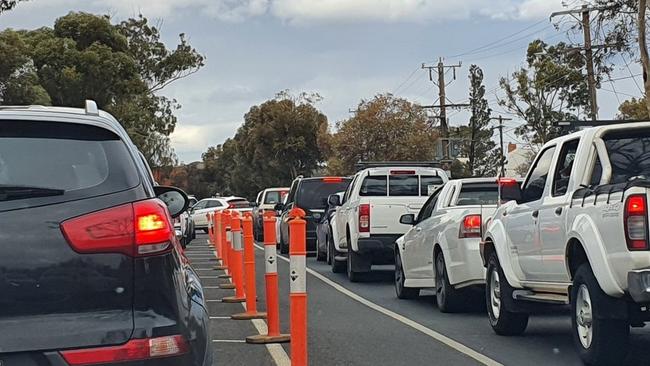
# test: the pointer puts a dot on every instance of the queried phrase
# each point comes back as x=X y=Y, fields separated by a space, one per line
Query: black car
x=91 y=272
x=309 y=194
x=323 y=231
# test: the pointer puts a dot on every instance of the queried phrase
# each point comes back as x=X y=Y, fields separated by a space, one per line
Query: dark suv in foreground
x=91 y=272
x=309 y=194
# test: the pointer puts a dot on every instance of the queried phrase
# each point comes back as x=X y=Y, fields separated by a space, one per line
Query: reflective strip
x=297 y=274
x=236 y=241
x=270 y=259
x=228 y=235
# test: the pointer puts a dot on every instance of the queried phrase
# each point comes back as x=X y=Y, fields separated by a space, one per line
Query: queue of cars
x=99 y=276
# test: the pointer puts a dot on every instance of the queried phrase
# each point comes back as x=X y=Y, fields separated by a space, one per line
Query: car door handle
x=558 y=211
x=535 y=213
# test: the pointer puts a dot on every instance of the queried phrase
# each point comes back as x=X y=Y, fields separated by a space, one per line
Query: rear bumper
x=638 y=283
x=381 y=248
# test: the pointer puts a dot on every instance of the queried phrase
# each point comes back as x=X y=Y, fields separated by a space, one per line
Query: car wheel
x=401 y=291
x=353 y=276
x=320 y=256
x=503 y=321
x=337 y=267
x=599 y=341
x=447 y=297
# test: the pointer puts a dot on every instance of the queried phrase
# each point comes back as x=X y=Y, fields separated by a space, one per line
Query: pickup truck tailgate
x=386 y=211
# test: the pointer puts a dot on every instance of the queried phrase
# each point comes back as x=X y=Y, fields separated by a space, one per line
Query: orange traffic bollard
x=218 y=240
x=236 y=260
x=298 y=287
x=249 y=272
x=210 y=233
x=226 y=239
x=271 y=276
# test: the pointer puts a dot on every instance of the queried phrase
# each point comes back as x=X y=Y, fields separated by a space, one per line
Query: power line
x=406 y=80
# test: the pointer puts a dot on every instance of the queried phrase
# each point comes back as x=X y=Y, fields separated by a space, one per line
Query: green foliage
x=385 y=128
x=634 y=109
x=551 y=88
x=122 y=67
x=279 y=140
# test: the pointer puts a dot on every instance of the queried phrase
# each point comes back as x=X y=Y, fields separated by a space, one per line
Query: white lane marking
x=402 y=319
x=211 y=287
x=220 y=317
x=213 y=300
x=204 y=269
x=209 y=277
x=228 y=341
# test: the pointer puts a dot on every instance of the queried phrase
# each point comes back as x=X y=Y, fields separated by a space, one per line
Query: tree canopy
x=123 y=67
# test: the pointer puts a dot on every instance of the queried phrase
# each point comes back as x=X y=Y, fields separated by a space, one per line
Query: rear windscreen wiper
x=9 y=192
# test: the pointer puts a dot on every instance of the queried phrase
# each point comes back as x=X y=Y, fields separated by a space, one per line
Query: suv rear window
x=313 y=193
x=46 y=162
x=400 y=185
x=478 y=194
x=274 y=197
x=374 y=185
x=429 y=183
x=403 y=185
x=629 y=154
x=240 y=203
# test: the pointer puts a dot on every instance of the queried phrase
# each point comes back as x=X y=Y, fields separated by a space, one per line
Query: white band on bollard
x=228 y=235
x=298 y=274
x=270 y=259
x=236 y=241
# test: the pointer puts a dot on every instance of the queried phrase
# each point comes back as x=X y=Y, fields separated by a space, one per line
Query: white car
x=441 y=249
x=208 y=205
x=576 y=233
x=367 y=223
x=265 y=202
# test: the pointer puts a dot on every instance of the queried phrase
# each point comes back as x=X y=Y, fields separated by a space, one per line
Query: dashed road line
x=228 y=341
x=402 y=319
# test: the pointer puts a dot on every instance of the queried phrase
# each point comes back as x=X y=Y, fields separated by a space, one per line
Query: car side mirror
x=255 y=204
x=278 y=207
x=175 y=199
x=407 y=219
x=509 y=190
x=334 y=200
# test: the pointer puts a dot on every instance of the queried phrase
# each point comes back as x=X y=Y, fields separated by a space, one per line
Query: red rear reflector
x=402 y=172
x=635 y=221
x=143 y=227
x=332 y=180
x=134 y=350
x=364 y=218
x=470 y=227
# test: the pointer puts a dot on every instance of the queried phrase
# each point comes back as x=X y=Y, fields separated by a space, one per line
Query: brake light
x=364 y=218
x=134 y=350
x=635 y=222
x=332 y=180
x=141 y=228
x=231 y=205
x=402 y=172
x=507 y=181
x=470 y=227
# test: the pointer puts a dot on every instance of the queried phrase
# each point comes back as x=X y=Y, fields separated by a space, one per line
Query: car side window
x=212 y=204
x=534 y=188
x=292 y=192
x=201 y=205
x=429 y=205
x=564 y=167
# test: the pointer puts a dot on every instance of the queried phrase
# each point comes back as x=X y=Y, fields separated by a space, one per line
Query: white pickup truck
x=576 y=233
x=441 y=249
x=367 y=223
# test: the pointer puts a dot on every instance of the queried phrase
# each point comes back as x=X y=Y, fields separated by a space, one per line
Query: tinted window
x=564 y=167
x=212 y=204
x=478 y=194
x=76 y=161
x=629 y=154
x=427 y=209
x=429 y=183
x=201 y=205
x=238 y=203
x=374 y=185
x=313 y=193
x=403 y=185
x=273 y=197
x=537 y=179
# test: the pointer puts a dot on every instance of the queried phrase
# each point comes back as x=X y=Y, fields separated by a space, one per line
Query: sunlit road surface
x=365 y=324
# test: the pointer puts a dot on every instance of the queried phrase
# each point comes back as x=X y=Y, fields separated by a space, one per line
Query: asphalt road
x=365 y=324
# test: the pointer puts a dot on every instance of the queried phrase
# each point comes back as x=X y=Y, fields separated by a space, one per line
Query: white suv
x=367 y=223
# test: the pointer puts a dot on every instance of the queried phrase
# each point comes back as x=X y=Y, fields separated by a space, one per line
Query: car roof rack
x=384 y=164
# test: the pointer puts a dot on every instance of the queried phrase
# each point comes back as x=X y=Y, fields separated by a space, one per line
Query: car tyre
x=320 y=256
x=353 y=275
x=503 y=321
x=447 y=297
x=600 y=341
x=404 y=293
x=337 y=267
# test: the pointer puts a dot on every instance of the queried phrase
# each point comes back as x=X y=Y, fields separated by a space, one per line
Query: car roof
x=418 y=170
x=478 y=180
x=277 y=189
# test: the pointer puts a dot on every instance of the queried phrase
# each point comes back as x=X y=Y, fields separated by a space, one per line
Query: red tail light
x=636 y=219
x=470 y=227
x=134 y=350
x=364 y=218
x=141 y=228
x=402 y=172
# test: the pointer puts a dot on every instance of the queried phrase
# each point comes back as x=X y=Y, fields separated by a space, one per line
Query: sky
x=345 y=50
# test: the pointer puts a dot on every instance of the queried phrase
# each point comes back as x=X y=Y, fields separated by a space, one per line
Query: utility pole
x=442 y=101
x=588 y=48
x=502 y=163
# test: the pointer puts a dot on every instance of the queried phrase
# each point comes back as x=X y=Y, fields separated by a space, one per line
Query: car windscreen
x=629 y=154
x=48 y=162
x=313 y=193
x=478 y=194
x=273 y=197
